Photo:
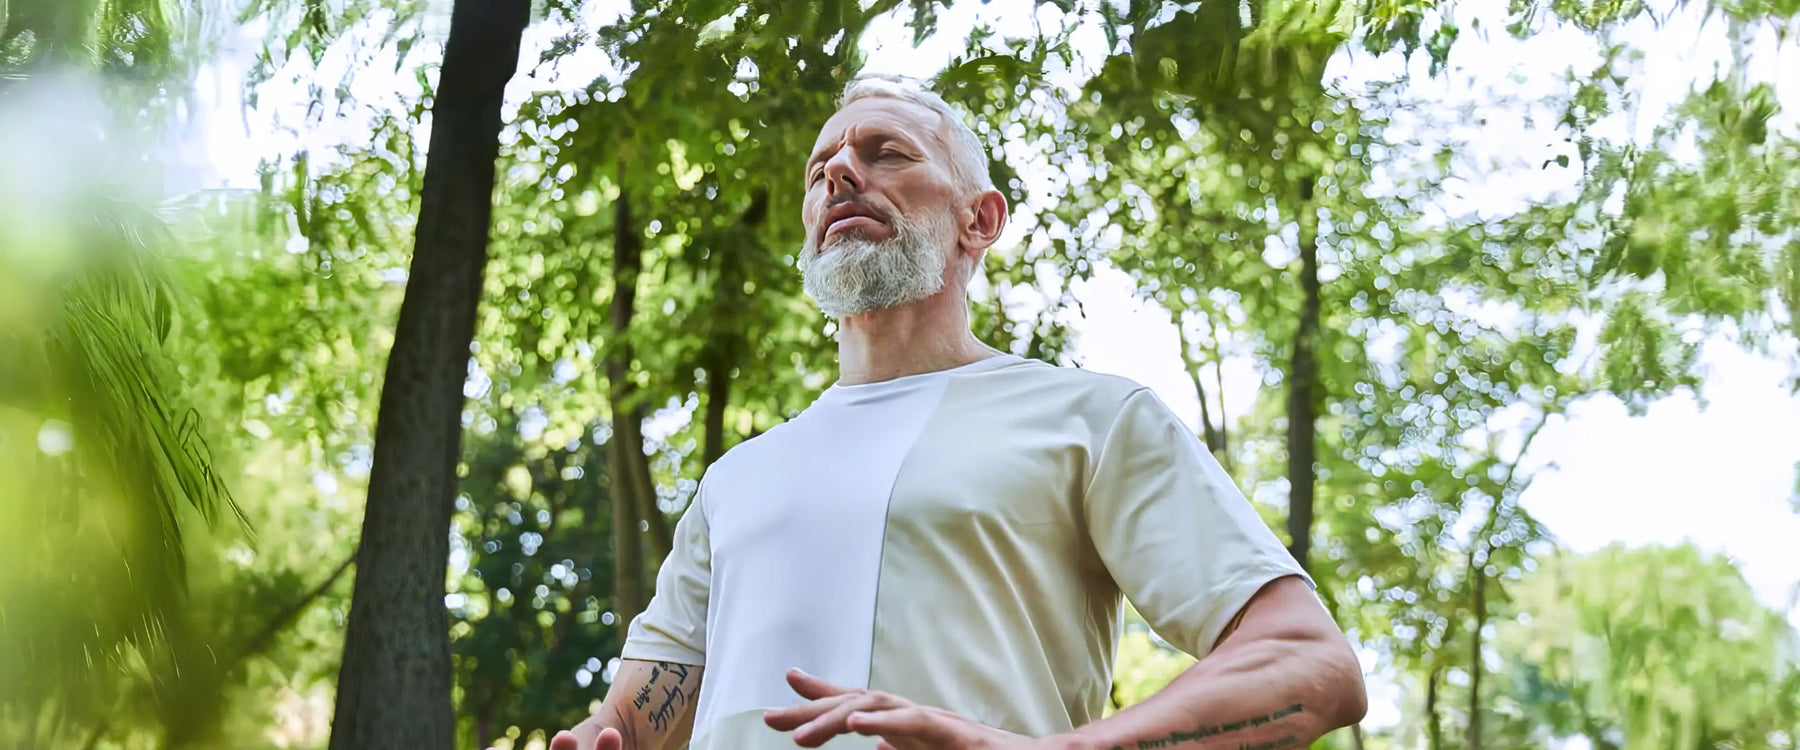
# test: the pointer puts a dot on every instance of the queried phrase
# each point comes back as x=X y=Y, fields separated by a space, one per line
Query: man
x=942 y=541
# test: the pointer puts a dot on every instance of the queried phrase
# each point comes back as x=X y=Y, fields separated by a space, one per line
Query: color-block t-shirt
x=959 y=538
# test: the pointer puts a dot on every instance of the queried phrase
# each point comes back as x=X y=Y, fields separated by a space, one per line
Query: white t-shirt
x=959 y=538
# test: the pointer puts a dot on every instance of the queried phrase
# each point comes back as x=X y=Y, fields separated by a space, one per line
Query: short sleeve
x=1180 y=540
x=672 y=627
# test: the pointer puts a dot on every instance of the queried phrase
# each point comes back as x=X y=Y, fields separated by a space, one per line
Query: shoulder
x=750 y=461
x=749 y=454
x=1095 y=396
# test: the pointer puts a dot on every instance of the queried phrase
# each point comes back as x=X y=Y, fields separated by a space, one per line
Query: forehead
x=882 y=113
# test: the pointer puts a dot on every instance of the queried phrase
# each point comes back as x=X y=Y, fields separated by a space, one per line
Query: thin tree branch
x=286 y=617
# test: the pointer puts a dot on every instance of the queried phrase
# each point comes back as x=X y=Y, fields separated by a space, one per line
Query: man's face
x=880 y=209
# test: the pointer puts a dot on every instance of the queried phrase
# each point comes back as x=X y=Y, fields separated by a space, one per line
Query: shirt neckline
x=861 y=391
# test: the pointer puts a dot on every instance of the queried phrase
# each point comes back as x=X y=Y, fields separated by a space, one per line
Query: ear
x=985 y=221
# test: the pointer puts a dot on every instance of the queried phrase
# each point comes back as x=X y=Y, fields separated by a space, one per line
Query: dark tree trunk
x=484 y=725
x=1215 y=439
x=1473 y=741
x=725 y=350
x=1434 y=734
x=1302 y=378
x=1218 y=359
x=718 y=396
x=394 y=683
x=656 y=523
x=625 y=451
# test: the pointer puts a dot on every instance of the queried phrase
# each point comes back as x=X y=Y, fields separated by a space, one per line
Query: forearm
x=650 y=703
x=1260 y=695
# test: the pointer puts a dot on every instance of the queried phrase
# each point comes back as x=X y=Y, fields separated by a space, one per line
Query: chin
x=852 y=235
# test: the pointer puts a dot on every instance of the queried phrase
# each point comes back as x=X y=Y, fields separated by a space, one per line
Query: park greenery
x=384 y=450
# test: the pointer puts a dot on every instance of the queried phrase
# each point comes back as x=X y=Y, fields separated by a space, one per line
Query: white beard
x=860 y=275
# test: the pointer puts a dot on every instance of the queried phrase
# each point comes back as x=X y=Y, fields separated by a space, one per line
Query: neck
x=925 y=336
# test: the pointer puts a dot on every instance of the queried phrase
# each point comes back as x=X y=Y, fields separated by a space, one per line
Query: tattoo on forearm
x=664 y=715
x=1205 y=732
x=673 y=696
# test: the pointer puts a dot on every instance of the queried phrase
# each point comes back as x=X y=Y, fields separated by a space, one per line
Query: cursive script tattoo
x=664 y=715
x=673 y=696
x=643 y=695
x=1205 y=731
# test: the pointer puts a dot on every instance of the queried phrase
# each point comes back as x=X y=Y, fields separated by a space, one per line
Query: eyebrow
x=880 y=135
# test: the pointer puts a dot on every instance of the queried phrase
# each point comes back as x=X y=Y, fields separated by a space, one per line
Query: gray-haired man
x=943 y=541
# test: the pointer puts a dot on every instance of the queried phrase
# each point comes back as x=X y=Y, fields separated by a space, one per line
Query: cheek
x=916 y=193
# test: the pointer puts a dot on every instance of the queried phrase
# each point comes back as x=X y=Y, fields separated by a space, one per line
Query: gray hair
x=968 y=158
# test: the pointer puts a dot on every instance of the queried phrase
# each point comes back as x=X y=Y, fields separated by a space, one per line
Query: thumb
x=610 y=739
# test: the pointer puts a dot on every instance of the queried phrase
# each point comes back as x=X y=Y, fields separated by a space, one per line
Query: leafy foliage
x=1692 y=661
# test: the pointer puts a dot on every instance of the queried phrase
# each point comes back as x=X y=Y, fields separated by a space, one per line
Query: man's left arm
x=1281 y=678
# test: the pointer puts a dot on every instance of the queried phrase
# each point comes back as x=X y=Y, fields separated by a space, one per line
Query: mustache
x=857 y=200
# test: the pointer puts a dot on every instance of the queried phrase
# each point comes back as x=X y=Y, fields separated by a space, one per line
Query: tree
x=1692 y=661
x=394 y=684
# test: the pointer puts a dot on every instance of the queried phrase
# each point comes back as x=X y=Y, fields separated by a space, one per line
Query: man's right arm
x=650 y=704
x=653 y=697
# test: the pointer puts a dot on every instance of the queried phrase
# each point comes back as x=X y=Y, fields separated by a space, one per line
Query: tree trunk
x=656 y=523
x=718 y=395
x=484 y=725
x=394 y=682
x=1473 y=741
x=725 y=350
x=1434 y=734
x=1302 y=376
x=1218 y=359
x=624 y=450
x=1215 y=440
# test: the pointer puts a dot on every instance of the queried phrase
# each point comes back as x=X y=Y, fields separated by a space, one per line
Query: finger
x=786 y=719
x=565 y=740
x=812 y=688
x=610 y=739
x=833 y=722
x=909 y=723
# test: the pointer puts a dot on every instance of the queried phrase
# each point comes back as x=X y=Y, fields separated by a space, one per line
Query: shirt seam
x=887 y=514
x=1106 y=445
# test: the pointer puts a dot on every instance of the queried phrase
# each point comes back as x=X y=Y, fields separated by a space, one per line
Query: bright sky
x=1720 y=476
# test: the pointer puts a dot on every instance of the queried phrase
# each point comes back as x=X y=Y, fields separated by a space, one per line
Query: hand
x=831 y=710
x=608 y=739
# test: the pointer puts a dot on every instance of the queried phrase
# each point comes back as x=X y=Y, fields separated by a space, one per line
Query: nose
x=841 y=174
